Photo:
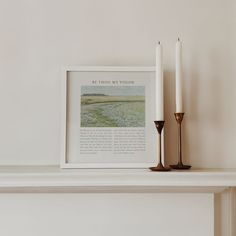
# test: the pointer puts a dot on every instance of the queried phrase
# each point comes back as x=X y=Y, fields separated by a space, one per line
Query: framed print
x=107 y=117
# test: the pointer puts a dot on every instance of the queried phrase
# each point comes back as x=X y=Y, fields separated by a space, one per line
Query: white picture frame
x=71 y=113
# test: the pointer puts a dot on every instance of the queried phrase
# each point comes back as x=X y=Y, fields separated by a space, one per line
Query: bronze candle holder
x=160 y=167
x=180 y=166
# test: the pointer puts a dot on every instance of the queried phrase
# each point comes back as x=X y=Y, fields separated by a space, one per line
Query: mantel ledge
x=54 y=179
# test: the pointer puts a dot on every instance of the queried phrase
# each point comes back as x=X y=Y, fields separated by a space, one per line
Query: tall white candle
x=179 y=77
x=159 y=84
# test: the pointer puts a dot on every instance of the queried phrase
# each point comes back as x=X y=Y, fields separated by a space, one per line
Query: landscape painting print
x=112 y=106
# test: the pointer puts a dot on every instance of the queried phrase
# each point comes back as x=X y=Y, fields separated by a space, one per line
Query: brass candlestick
x=180 y=166
x=160 y=167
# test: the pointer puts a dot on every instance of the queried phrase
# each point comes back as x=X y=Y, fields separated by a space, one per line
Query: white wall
x=39 y=36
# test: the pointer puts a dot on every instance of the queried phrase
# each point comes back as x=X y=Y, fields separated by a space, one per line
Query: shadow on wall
x=204 y=106
x=170 y=125
x=190 y=122
x=214 y=108
x=192 y=119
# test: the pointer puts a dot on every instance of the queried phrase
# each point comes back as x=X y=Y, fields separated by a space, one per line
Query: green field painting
x=112 y=106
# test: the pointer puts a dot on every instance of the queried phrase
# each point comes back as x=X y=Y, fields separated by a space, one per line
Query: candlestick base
x=180 y=166
x=159 y=167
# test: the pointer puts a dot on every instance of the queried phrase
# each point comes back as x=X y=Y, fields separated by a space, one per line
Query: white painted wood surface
x=105 y=201
x=213 y=180
x=125 y=184
x=106 y=214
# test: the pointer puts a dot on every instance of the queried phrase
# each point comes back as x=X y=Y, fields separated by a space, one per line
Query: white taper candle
x=179 y=77
x=159 y=84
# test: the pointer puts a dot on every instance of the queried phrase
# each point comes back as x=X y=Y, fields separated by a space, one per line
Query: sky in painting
x=114 y=90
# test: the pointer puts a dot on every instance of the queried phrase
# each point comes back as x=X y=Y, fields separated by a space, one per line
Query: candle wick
x=159 y=42
x=178 y=39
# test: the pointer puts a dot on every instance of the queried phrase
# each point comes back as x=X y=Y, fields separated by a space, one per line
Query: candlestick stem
x=180 y=143
x=180 y=166
x=160 y=167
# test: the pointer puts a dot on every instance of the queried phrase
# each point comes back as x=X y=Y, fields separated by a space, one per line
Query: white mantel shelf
x=54 y=179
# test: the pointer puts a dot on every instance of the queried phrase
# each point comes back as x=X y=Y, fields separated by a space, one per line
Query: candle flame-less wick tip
x=159 y=42
x=178 y=39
